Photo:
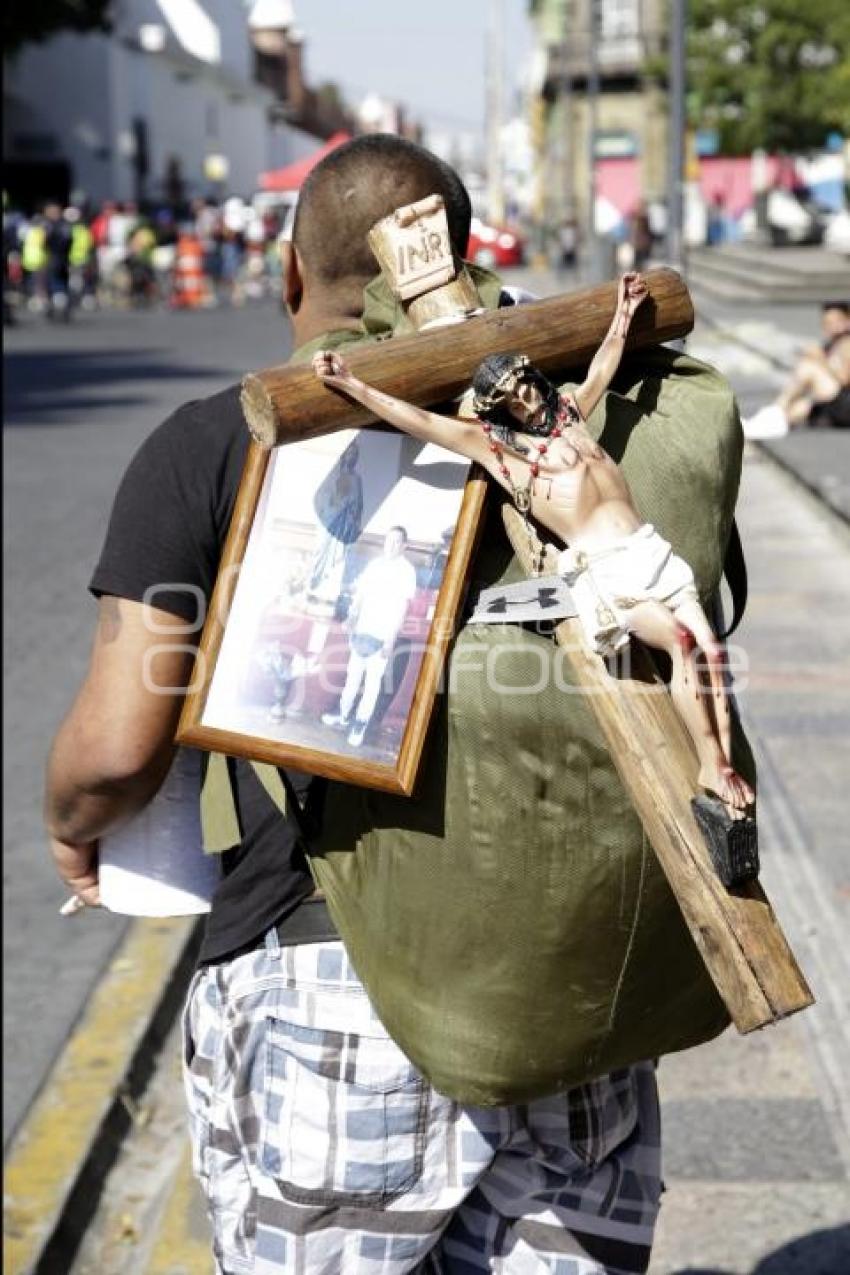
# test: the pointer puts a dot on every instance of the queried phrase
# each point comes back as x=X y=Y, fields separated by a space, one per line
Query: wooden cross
x=735 y=931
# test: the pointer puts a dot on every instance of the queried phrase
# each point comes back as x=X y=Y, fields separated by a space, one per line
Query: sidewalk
x=756 y=272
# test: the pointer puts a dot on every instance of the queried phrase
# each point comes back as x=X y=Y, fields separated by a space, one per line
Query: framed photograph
x=338 y=594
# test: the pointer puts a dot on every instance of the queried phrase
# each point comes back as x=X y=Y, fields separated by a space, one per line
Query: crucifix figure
x=625 y=578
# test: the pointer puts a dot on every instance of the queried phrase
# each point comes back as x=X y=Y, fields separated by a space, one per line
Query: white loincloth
x=607 y=582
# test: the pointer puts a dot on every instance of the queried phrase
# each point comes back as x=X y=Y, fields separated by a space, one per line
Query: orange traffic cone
x=190 y=287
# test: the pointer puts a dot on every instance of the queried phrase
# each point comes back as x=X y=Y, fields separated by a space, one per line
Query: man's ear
x=291 y=276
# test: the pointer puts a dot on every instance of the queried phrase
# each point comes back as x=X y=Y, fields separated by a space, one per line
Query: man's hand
x=333 y=369
x=77 y=866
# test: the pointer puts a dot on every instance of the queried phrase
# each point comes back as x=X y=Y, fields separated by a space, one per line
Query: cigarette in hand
x=71 y=906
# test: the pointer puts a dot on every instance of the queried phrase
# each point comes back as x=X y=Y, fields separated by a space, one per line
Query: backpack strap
x=219 y=818
x=735 y=571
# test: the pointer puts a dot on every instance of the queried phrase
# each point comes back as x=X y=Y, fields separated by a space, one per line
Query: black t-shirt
x=163 y=547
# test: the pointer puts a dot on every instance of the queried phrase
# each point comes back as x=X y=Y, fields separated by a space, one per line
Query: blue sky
x=430 y=56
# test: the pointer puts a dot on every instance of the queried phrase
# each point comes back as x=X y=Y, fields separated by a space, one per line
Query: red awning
x=292 y=177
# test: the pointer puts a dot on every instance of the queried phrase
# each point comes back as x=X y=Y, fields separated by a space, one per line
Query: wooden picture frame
x=261 y=688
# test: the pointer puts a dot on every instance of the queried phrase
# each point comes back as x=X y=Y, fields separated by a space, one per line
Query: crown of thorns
x=496 y=378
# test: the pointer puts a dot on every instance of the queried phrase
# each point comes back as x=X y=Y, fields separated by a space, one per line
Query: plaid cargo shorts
x=322 y=1151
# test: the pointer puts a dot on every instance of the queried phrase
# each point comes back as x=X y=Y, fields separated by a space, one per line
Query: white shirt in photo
x=382 y=593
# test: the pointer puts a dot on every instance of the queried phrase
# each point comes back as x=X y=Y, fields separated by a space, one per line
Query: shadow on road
x=47 y=388
x=824 y=1252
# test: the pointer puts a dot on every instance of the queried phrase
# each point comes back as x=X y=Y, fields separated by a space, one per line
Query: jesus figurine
x=625 y=579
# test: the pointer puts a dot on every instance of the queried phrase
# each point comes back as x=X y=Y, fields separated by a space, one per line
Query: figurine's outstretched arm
x=455 y=433
x=632 y=292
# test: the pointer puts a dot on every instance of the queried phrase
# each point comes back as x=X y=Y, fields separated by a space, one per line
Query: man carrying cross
x=320 y=1147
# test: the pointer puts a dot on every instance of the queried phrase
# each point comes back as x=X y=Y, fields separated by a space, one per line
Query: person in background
x=716 y=222
x=82 y=260
x=100 y=223
x=640 y=235
x=818 y=391
x=34 y=261
x=139 y=263
x=57 y=243
x=208 y=229
x=111 y=229
x=255 y=256
x=164 y=252
x=13 y=224
x=568 y=242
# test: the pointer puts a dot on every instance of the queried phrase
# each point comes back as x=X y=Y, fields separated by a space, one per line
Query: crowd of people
x=121 y=254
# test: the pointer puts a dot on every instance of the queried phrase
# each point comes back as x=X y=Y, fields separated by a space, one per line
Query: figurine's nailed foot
x=727 y=786
x=732 y=842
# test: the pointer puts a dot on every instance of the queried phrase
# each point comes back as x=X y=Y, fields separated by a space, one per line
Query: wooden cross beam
x=287 y=403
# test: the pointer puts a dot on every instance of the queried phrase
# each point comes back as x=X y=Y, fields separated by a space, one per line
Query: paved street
x=79 y=401
x=757 y=1129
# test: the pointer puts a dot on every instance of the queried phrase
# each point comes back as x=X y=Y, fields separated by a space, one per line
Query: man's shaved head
x=356 y=185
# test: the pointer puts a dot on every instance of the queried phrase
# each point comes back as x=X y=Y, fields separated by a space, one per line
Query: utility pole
x=495 y=69
x=559 y=157
x=562 y=206
x=676 y=153
x=594 y=32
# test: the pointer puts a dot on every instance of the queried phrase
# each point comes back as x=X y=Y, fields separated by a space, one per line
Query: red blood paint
x=685 y=638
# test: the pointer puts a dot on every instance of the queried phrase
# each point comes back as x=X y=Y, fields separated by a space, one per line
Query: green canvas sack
x=510 y=921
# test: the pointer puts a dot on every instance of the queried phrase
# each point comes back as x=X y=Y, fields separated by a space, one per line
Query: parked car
x=491 y=246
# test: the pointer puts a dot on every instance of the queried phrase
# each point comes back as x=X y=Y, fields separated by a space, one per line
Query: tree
x=28 y=21
x=775 y=74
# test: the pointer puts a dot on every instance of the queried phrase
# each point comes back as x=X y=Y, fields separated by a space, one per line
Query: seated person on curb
x=625 y=577
x=818 y=392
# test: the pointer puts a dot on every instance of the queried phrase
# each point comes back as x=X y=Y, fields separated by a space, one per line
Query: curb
x=53 y=1183
x=810 y=487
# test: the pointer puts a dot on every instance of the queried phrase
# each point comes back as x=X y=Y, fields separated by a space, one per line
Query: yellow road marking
x=49 y=1150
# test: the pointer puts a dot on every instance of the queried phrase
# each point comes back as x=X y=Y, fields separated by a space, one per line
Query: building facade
x=182 y=98
x=591 y=77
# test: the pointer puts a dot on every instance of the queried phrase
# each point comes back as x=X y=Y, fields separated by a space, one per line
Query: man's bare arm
x=632 y=292
x=838 y=360
x=114 y=747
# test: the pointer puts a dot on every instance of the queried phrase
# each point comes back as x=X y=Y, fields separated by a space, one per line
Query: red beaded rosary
x=565 y=416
